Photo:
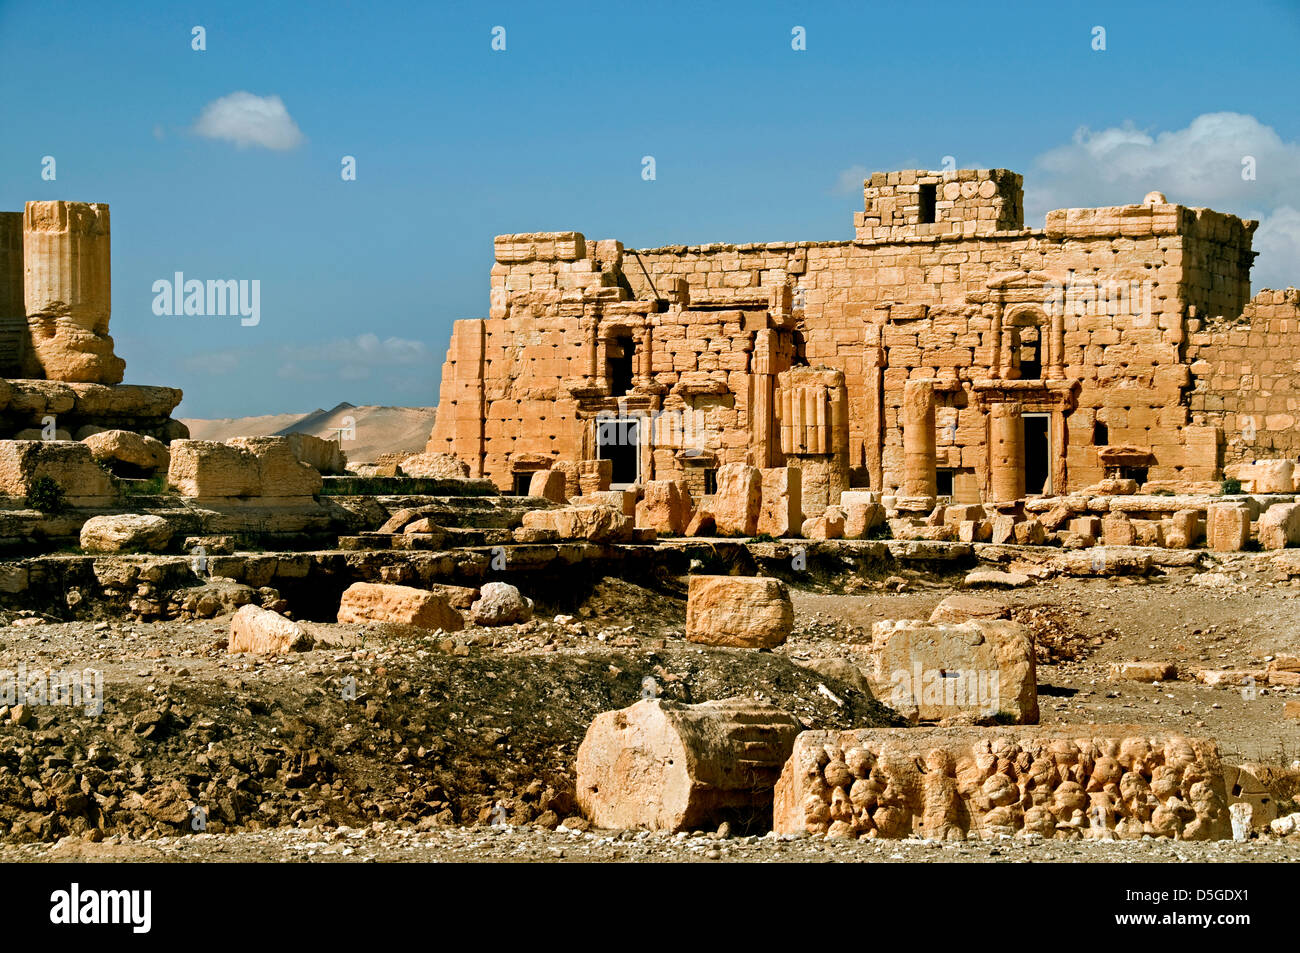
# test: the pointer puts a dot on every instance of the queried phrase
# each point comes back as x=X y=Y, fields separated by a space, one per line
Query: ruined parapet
x=813 y=413
x=1090 y=781
x=960 y=203
x=664 y=765
x=66 y=293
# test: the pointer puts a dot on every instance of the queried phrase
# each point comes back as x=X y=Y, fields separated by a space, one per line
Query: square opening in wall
x=943 y=481
x=928 y=199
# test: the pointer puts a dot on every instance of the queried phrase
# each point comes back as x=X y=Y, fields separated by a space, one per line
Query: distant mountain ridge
x=375 y=429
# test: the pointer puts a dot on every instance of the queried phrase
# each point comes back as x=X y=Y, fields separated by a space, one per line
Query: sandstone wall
x=963 y=300
x=1244 y=377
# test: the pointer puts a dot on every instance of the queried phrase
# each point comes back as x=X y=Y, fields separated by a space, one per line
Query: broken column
x=1006 y=452
x=665 y=765
x=66 y=293
x=919 y=483
x=815 y=432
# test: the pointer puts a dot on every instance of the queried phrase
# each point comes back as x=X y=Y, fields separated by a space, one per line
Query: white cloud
x=215 y=362
x=1199 y=165
x=849 y=182
x=365 y=349
x=249 y=120
x=1278 y=242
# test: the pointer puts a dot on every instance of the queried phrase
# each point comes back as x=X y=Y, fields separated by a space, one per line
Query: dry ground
x=446 y=735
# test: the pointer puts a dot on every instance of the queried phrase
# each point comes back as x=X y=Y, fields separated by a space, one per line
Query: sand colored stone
x=404 y=605
x=125 y=533
x=739 y=611
x=950 y=784
x=261 y=632
x=931 y=670
x=665 y=765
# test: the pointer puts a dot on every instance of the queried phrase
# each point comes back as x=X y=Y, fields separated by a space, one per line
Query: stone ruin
x=917 y=395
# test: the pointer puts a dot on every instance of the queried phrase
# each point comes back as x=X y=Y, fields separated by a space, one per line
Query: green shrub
x=1230 y=487
x=45 y=495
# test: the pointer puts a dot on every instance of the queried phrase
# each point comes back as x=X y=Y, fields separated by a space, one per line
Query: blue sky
x=455 y=143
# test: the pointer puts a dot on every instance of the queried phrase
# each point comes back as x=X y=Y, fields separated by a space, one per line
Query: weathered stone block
x=981 y=667
x=664 y=765
x=383 y=602
x=740 y=611
x=1089 y=781
x=261 y=631
x=67 y=463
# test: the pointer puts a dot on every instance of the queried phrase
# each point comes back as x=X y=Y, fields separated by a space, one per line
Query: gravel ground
x=493 y=844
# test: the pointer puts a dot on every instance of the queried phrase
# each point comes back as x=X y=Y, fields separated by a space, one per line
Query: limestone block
x=1030 y=533
x=279 y=472
x=1077 y=781
x=1144 y=671
x=781 y=501
x=1279 y=526
x=548 y=484
x=1272 y=476
x=128 y=454
x=500 y=603
x=736 y=503
x=598 y=524
x=364 y=602
x=126 y=533
x=738 y=611
x=434 y=466
x=1227 y=527
x=1183 y=529
x=1086 y=526
x=621 y=501
x=861 y=518
x=67 y=463
x=1117 y=530
x=662 y=508
x=261 y=631
x=830 y=525
x=1148 y=533
x=325 y=456
x=665 y=765
x=981 y=667
x=1004 y=528
x=960 y=607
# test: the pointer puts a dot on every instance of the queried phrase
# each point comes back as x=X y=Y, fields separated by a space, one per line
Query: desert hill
x=376 y=429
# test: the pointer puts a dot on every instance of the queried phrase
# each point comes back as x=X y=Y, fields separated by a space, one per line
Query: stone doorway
x=1038 y=454
x=618 y=440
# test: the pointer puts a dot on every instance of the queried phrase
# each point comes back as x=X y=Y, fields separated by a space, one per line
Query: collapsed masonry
x=946 y=350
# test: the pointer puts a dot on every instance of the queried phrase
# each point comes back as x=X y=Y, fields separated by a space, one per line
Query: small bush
x=154 y=486
x=1230 y=487
x=45 y=495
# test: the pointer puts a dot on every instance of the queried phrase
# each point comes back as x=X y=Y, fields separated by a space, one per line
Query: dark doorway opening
x=943 y=481
x=1038 y=454
x=619 y=441
x=522 y=479
x=620 y=352
x=928 y=200
x=1031 y=355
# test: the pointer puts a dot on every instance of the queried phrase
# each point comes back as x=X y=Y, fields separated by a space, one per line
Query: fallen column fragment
x=665 y=765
